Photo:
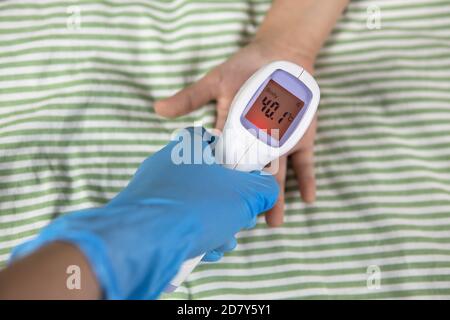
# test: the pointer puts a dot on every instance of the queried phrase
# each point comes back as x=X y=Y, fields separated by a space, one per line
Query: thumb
x=189 y=99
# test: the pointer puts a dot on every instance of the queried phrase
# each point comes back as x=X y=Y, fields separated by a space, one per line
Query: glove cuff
x=91 y=246
x=115 y=273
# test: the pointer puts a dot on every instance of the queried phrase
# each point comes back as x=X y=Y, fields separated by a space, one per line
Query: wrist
x=276 y=48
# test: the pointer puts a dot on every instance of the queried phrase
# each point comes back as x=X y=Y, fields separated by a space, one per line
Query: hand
x=222 y=83
x=168 y=213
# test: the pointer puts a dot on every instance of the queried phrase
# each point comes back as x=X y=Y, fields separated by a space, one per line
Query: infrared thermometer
x=268 y=116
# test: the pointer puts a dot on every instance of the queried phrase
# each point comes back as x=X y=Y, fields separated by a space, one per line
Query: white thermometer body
x=267 y=117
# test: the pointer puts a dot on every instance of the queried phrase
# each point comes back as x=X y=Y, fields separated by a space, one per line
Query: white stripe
x=169 y=30
x=380 y=75
x=304 y=292
x=356 y=225
x=361 y=189
x=130 y=137
x=407 y=12
x=400 y=151
x=333 y=70
x=424 y=85
x=372 y=110
x=330 y=241
x=299 y=280
x=171 y=126
x=399 y=53
x=149 y=55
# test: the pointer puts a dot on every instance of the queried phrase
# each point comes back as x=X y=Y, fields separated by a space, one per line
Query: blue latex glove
x=168 y=213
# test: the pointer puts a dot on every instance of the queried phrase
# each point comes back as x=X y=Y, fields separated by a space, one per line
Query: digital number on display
x=274 y=110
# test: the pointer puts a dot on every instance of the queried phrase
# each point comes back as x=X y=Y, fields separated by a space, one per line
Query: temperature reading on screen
x=274 y=109
x=270 y=107
x=286 y=115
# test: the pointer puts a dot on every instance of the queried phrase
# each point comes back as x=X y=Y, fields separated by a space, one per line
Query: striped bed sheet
x=77 y=83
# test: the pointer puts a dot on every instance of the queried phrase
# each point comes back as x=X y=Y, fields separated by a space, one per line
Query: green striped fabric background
x=76 y=119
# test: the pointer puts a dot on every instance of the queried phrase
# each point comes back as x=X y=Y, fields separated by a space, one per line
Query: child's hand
x=222 y=83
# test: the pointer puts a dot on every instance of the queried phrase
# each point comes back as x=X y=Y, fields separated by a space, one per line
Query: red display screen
x=274 y=110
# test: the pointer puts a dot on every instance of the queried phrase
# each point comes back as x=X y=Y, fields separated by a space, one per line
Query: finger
x=212 y=256
x=189 y=99
x=223 y=105
x=229 y=246
x=217 y=254
x=275 y=216
x=303 y=165
x=252 y=223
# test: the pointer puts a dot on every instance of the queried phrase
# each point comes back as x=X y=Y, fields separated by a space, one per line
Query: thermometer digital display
x=267 y=118
x=274 y=110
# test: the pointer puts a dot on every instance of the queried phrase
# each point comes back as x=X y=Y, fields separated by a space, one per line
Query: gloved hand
x=168 y=213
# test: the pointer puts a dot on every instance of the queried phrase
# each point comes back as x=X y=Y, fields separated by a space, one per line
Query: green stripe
x=341 y=285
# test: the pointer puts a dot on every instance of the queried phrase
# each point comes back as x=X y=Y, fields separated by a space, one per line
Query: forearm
x=300 y=27
x=47 y=274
